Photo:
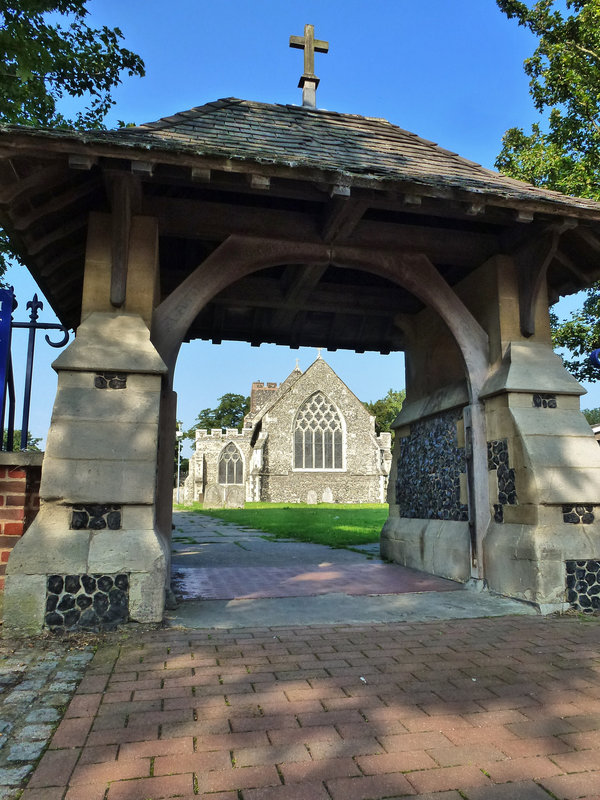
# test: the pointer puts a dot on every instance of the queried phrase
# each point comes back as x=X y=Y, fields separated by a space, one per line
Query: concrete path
x=237 y=577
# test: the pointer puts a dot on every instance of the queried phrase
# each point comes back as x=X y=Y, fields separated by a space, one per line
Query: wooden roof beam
x=82 y=162
x=143 y=168
x=570 y=265
x=125 y=198
x=35 y=246
x=260 y=182
x=306 y=277
x=206 y=220
x=411 y=199
x=475 y=209
x=342 y=215
x=533 y=258
x=51 y=265
x=264 y=292
x=201 y=174
x=589 y=238
x=218 y=316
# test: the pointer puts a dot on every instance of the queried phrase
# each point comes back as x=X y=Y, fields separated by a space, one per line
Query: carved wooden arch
x=239 y=256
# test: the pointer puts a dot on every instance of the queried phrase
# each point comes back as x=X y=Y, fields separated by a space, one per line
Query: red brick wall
x=19 y=503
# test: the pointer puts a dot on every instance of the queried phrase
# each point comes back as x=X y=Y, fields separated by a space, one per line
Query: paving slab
x=343 y=608
x=444 y=693
x=228 y=576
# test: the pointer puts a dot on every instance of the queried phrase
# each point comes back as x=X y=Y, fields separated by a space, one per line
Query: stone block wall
x=20 y=475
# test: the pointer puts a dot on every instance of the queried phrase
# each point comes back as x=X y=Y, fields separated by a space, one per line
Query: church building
x=308 y=440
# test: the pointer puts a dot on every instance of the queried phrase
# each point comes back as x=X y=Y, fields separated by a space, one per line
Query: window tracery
x=318 y=435
x=231 y=467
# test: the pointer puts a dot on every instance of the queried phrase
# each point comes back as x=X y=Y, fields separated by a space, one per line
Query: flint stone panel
x=430 y=464
x=96 y=517
x=86 y=602
x=498 y=461
x=544 y=401
x=583 y=585
x=578 y=514
x=110 y=380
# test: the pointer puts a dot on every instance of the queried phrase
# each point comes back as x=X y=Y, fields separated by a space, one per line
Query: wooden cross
x=309 y=81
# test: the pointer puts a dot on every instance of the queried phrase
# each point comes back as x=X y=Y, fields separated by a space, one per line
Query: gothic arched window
x=231 y=467
x=318 y=435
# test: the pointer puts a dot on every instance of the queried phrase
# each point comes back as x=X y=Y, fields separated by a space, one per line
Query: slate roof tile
x=319 y=139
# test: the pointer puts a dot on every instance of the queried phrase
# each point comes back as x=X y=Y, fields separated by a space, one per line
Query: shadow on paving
x=228 y=576
x=488 y=709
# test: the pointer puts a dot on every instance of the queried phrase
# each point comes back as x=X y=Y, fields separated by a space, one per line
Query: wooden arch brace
x=533 y=259
x=239 y=256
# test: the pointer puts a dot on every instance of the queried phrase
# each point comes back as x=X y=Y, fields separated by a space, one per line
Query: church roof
x=365 y=150
x=295 y=376
x=308 y=177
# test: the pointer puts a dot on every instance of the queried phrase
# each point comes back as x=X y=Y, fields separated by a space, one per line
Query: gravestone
x=213 y=496
x=312 y=498
x=328 y=495
x=235 y=496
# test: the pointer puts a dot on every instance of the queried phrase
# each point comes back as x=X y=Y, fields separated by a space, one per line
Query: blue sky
x=450 y=71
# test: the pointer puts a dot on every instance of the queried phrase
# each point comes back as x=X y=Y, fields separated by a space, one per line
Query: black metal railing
x=8 y=305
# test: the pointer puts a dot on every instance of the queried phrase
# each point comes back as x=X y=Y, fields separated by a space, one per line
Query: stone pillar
x=97 y=554
x=544 y=473
x=539 y=455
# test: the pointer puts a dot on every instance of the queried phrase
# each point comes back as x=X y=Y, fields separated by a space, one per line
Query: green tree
x=592 y=415
x=562 y=152
x=386 y=409
x=32 y=441
x=229 y=413
x=47 y=52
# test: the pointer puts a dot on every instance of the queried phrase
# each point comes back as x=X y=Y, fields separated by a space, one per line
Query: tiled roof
x=296 y=136
x=352 y=146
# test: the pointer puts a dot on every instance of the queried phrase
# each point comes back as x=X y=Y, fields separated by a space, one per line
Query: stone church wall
x=267 y=444
x=360 y=479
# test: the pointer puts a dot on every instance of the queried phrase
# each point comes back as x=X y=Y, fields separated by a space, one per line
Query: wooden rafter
x=58 y=203
x=347 y=299
x=40 y=180
x=305 y=278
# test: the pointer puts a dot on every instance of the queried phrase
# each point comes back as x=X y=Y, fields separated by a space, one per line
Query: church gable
x=309 y=439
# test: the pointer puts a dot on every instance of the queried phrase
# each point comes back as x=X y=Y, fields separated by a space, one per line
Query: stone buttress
x=96 y=555
x=542 y=541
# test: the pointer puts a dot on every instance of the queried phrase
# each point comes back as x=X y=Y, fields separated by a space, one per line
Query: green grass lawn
x=335 y=525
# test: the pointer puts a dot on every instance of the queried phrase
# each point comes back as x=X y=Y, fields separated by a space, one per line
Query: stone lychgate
x=264 y=223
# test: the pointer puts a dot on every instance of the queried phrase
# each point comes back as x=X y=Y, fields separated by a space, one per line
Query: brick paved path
x=488 y=709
